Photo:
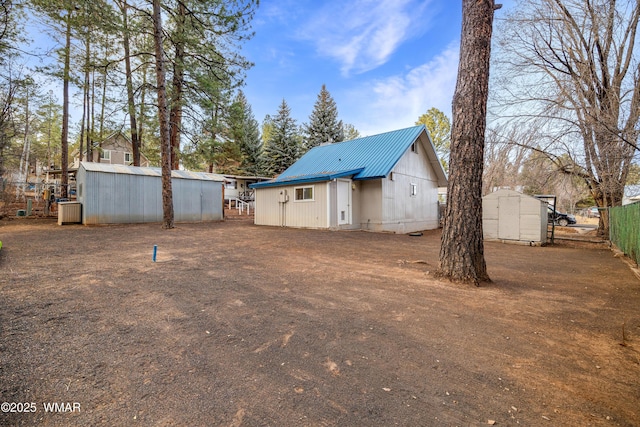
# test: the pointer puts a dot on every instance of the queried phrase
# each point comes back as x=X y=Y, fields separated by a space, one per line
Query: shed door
x=509 y=218
x=344 y=202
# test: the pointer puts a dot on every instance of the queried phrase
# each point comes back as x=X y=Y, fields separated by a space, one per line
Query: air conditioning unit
x=69 y=212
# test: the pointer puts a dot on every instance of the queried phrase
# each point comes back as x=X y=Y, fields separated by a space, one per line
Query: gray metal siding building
x=117 y=194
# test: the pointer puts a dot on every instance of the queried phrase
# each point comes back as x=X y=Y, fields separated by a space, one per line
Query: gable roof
x=370 y=157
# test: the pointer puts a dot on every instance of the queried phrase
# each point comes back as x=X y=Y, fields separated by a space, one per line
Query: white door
x=344 y=202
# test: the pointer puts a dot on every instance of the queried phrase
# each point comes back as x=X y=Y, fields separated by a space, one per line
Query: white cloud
x=396 y=102
x=363 y=34
x=283 y=12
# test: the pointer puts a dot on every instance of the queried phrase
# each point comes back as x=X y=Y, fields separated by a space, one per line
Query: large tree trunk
x=85 y=101
x=175 y=117
x=607 y=166
x=607 y=193
x=462 y=250
x=82 y=119
x=141 y=111
x=23 y=171
x=92 y=125
x=130 y=99
x=86 y=109
x=64 y=141
x=88 y=113
x=167 y=194
x=50 y=121
x=103 y=105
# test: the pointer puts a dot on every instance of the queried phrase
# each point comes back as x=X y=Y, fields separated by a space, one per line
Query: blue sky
x=385 y=62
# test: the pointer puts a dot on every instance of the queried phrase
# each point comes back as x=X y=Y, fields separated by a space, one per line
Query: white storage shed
x=117 y=194
x=510 y=216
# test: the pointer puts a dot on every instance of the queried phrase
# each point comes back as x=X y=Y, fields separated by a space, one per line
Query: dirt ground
x=239 y=325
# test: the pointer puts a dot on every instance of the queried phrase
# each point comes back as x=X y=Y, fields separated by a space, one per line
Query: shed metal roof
x=369 y=157
x=137 y=170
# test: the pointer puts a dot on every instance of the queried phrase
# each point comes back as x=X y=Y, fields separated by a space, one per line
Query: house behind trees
x=116 y=149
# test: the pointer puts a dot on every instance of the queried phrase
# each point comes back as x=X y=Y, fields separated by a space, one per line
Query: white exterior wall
x=268 y=211
x=241 y=186
x=511 y=216
x=532 y=213
x=370 y=205
x=230 y=192
x=294 y=213
x=356 y=208
x=403 y=212
x=490 y=217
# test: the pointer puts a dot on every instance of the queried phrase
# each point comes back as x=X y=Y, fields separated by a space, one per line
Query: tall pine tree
x=62 y=16
x=205 y=37
x=323 y=125
x=462 y=249
x=284 y=145
x=245 y=130
x=350 y=132
x=167 y=189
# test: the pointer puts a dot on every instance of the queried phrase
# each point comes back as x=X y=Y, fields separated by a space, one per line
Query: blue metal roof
x=363 y=158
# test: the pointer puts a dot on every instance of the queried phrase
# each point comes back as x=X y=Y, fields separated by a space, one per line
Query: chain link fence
x=624 y=229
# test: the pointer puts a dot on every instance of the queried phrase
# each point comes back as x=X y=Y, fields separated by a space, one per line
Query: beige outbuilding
x=514 y=217
x=387 y=182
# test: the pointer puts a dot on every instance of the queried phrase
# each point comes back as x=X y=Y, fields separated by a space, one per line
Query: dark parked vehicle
x=562 y=219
